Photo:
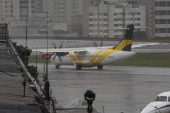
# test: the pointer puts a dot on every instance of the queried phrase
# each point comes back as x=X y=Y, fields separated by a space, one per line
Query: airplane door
x=106 y=59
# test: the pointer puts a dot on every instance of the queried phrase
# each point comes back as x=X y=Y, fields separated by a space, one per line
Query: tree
x=25 y=52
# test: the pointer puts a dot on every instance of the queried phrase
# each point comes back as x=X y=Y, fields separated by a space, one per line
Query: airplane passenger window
x=161 y=98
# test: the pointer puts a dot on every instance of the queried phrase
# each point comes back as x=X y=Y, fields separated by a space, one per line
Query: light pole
x=24 y=82
x=26 y=32
x=47 y=52
x=47 y=84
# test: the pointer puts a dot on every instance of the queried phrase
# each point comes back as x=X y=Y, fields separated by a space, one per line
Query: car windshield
x=161 y=98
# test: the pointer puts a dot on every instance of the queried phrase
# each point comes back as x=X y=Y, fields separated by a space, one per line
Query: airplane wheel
x=78 y=67
x=100 y=67
x=57 y=66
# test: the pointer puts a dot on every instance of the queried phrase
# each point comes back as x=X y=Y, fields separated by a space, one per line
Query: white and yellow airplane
x=94 y=56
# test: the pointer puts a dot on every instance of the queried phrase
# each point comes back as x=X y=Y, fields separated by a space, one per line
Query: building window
x=156 y=12
x=162 y=12
x=157 y=21
x=138 y=19
x=156 y=4
x=168 y=30
x=138 y=13
x=138 y=24
x=23 y=2
x=105 y=31
x=168 y=3
x=91 y=25
x=105 y=14
x=156 y=30
x=168 y=21
x=162 y=21
x=162 y=30
x=162 y=4
x=105 y=25
x=168 y=12
x=91 y=14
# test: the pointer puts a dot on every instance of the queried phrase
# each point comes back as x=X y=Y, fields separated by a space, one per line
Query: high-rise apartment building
x=152 y=18
x=86 y=5
x=27 y=7
x=16 y=10
x=159 y=18
x=146 y=4
x=9 y=10
x=107 y=20
x=57 y=10
x=65 y=11
x=38 y=6
x=73 y=12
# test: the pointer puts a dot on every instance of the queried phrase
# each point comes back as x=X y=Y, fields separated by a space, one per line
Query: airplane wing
x=81 y=49
x=59 y=50
x=133 y=45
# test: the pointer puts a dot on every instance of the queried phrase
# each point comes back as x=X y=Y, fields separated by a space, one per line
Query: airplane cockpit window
x=161 y=98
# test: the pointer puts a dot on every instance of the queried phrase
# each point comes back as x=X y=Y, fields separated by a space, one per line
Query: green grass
x=148 y=59
x=32 y=59
x=140 y=59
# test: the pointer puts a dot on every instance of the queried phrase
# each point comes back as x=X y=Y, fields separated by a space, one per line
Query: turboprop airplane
x=160 y=105
x=94 y=56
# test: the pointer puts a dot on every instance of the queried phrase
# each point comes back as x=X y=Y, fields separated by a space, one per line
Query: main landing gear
x=100 y=67
x=57 y=66
x=78 y=67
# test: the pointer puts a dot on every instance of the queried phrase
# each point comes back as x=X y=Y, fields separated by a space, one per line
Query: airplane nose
x=148 y=109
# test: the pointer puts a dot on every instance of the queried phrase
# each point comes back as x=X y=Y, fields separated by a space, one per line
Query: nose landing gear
x=57 y=66
x=78 y=67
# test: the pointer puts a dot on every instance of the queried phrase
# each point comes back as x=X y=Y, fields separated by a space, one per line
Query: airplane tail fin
x=126 y=43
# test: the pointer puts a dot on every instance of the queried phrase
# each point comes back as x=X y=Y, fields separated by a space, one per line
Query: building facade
x=160 y=18
x=108 y=20
x=9 y=10
x=16 y=10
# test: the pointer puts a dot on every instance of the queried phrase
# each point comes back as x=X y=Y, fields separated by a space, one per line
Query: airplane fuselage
x=160 y=105
x=92 y=57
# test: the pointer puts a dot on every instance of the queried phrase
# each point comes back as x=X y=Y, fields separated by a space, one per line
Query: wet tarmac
x=118 y=89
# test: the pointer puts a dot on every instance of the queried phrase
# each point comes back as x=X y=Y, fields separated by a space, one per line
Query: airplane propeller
x=54 y=45
x=94 y=43
x=101 y=44
x=57 y=54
